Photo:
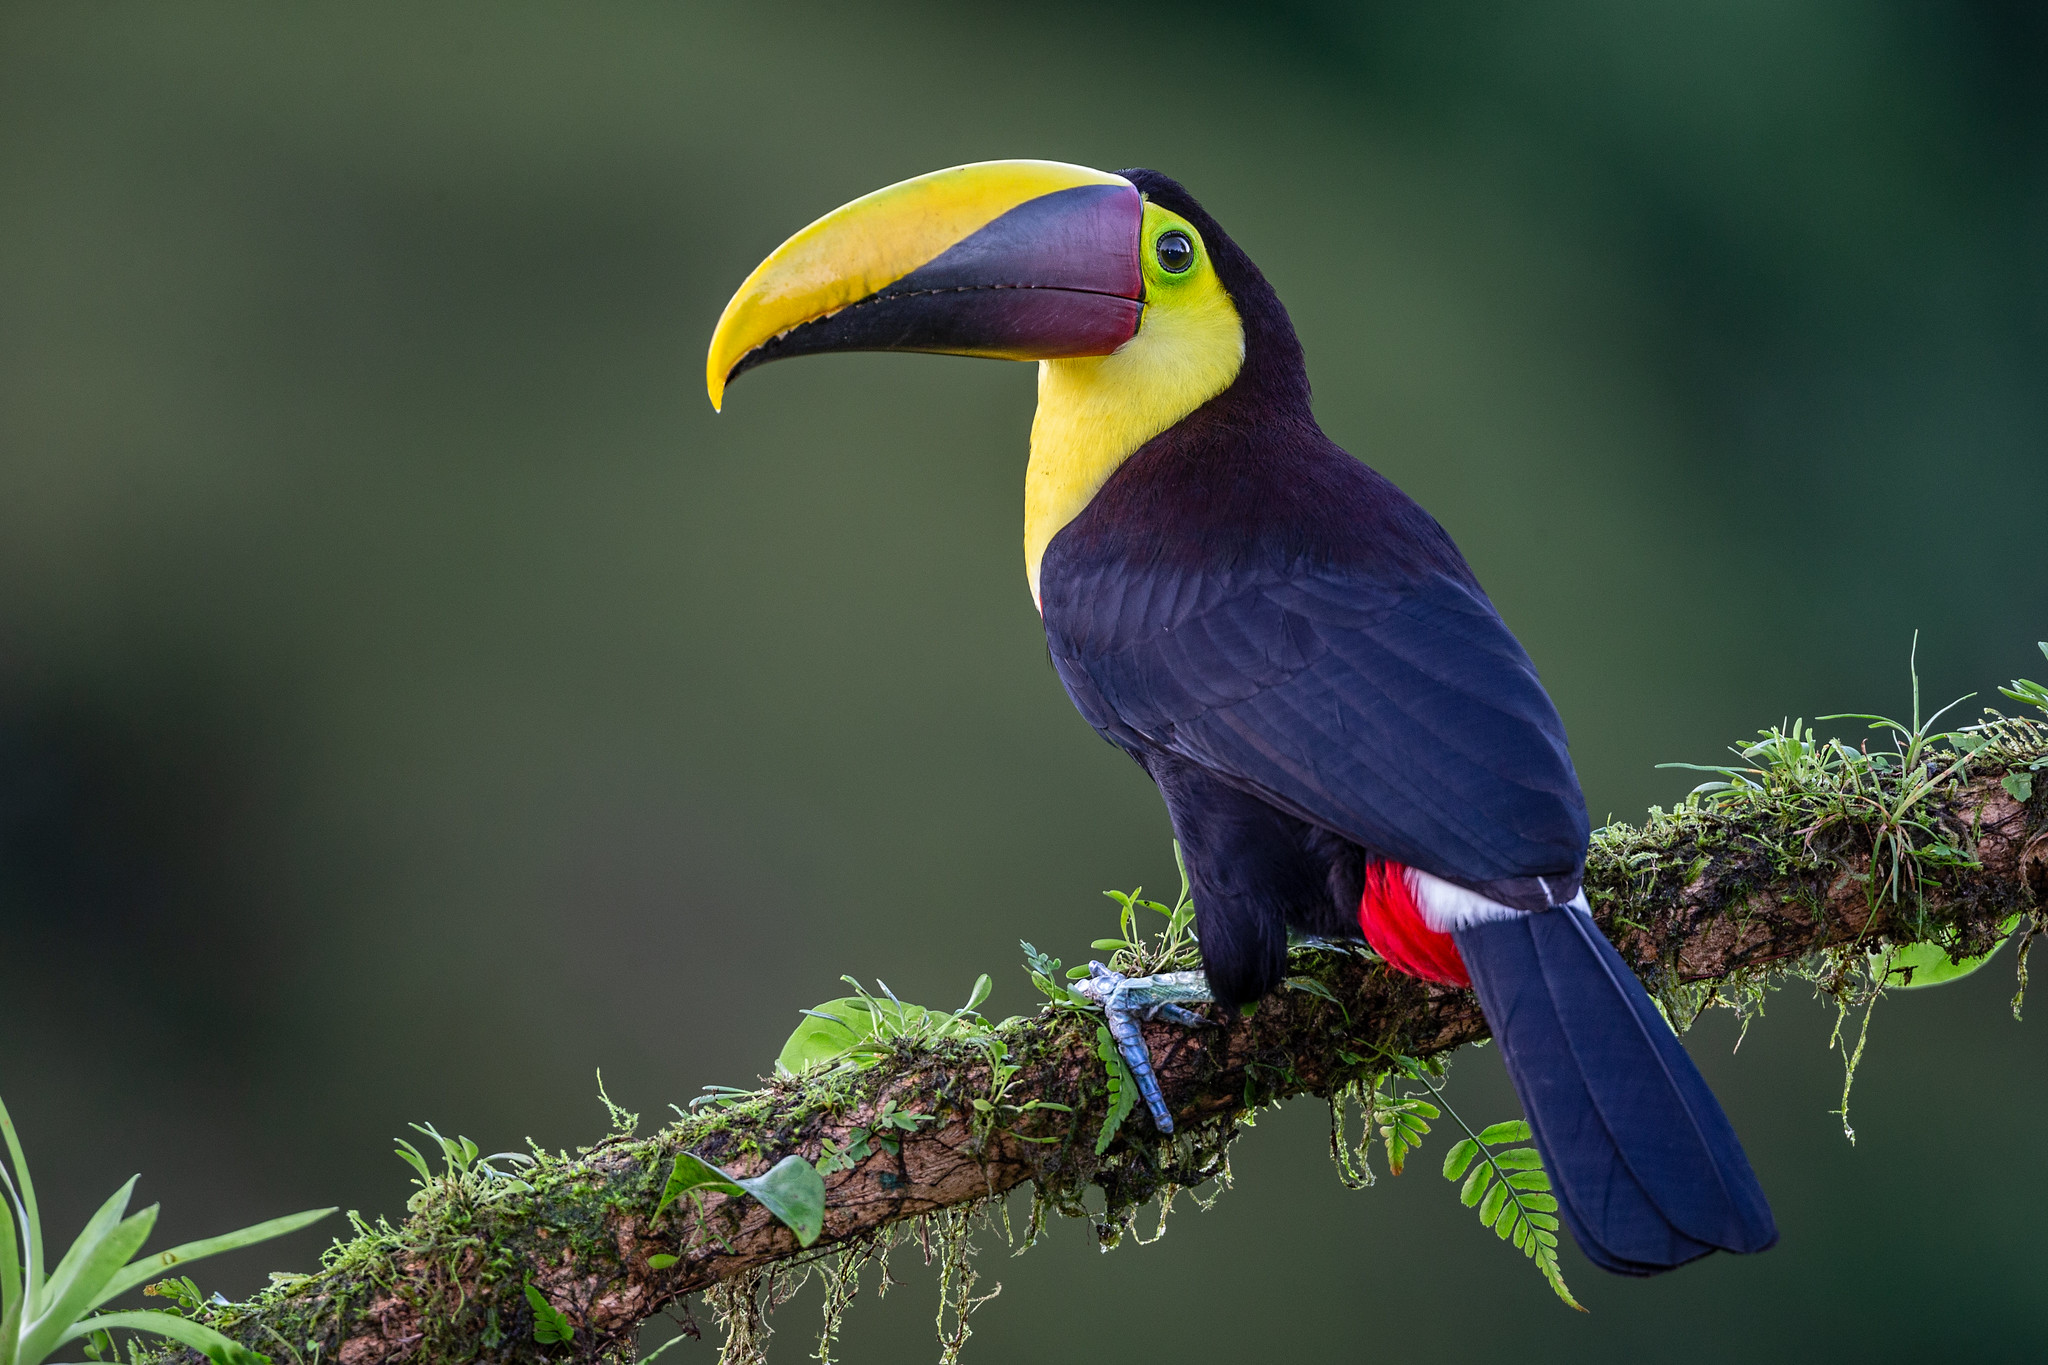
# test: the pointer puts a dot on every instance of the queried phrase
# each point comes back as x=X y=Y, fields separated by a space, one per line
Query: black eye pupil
x=1175 y=252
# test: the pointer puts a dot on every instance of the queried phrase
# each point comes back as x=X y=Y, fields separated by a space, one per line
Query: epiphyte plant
x=468 y=1176
x=43 y=1307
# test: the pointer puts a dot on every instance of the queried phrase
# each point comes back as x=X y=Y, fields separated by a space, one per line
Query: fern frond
x=1123 y=1089
x=1403 y=1126
x=1511 y=1190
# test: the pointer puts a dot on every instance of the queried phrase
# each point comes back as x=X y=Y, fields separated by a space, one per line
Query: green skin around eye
x=1160 y=225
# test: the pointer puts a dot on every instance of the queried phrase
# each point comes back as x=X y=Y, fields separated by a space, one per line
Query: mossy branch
x=1710 y=897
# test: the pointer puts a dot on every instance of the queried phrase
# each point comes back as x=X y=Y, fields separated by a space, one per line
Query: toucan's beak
x=1019 y=260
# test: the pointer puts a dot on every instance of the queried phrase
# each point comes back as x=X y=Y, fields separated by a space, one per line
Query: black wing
x=1401 y=714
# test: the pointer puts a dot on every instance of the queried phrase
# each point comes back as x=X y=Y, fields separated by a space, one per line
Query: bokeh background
x=413 y=698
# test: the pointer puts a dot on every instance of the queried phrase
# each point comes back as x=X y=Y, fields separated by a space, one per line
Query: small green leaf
x=1308 y=985
x=1475 y=1184
x=1514 y=1130
x=661 y=1260
x=1530 y=1180
x=1541 y=1203
x=410 y=1155
x=550 y=1324
x=2018 y=785
x=1490 y=1207
x=982 y=986
x=1517 y=1158
x=1459 y=1157
x=692 y=1172
x=1077 y=973
x=1510 y=1218
x=794 y=1192
x=1109 y=945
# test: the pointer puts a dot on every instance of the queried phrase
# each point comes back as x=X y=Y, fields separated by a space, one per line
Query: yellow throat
x=1094 y=412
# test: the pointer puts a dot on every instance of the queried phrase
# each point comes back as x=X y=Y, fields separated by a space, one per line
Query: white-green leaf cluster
x=43 y=1307
x=1137 y=953
x=864 y=1028
x=469 y=1175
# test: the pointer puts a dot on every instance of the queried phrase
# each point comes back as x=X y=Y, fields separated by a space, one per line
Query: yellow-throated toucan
x=1348 y=739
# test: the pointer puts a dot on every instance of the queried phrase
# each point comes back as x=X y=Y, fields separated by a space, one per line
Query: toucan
x=1349 y=740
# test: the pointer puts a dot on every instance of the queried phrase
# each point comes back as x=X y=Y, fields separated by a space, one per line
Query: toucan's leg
x=1126 y=1000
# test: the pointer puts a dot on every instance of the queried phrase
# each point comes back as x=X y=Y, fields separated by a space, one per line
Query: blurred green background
x=413 y=697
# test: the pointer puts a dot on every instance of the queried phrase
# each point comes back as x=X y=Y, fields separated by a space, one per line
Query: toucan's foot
x=1316 y=942
x=1127 y=1000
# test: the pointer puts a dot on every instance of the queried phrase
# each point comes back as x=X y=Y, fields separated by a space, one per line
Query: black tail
x=1648 y=1173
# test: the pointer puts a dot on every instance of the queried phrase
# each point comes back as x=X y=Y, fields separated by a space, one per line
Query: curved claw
x=1126 y=1000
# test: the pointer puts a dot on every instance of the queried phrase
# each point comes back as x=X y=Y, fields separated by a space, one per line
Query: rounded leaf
x=836 y=1028
x=1918 y=965
x=794 y=1192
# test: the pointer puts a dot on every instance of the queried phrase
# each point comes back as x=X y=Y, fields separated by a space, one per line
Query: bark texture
x=1696 y=897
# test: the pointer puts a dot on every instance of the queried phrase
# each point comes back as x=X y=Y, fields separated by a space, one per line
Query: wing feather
x=1401 y=714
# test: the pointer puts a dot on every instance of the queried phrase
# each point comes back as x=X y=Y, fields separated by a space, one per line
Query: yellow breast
x=1094 y=412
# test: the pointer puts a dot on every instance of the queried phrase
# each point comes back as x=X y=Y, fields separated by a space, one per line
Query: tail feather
x=1648 y=1172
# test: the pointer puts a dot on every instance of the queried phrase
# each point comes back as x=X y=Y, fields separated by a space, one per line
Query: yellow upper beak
x=1065 y=275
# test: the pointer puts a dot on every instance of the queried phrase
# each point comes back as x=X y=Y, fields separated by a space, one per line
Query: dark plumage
x=1302 y=660
x=1262 y=621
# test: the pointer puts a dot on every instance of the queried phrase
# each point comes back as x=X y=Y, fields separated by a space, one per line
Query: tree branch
x=1719 y=895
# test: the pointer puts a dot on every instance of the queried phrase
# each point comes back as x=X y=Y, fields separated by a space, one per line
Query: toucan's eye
x=1175 y=252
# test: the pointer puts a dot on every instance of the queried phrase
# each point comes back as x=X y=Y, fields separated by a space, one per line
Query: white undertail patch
x=1447 y=907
